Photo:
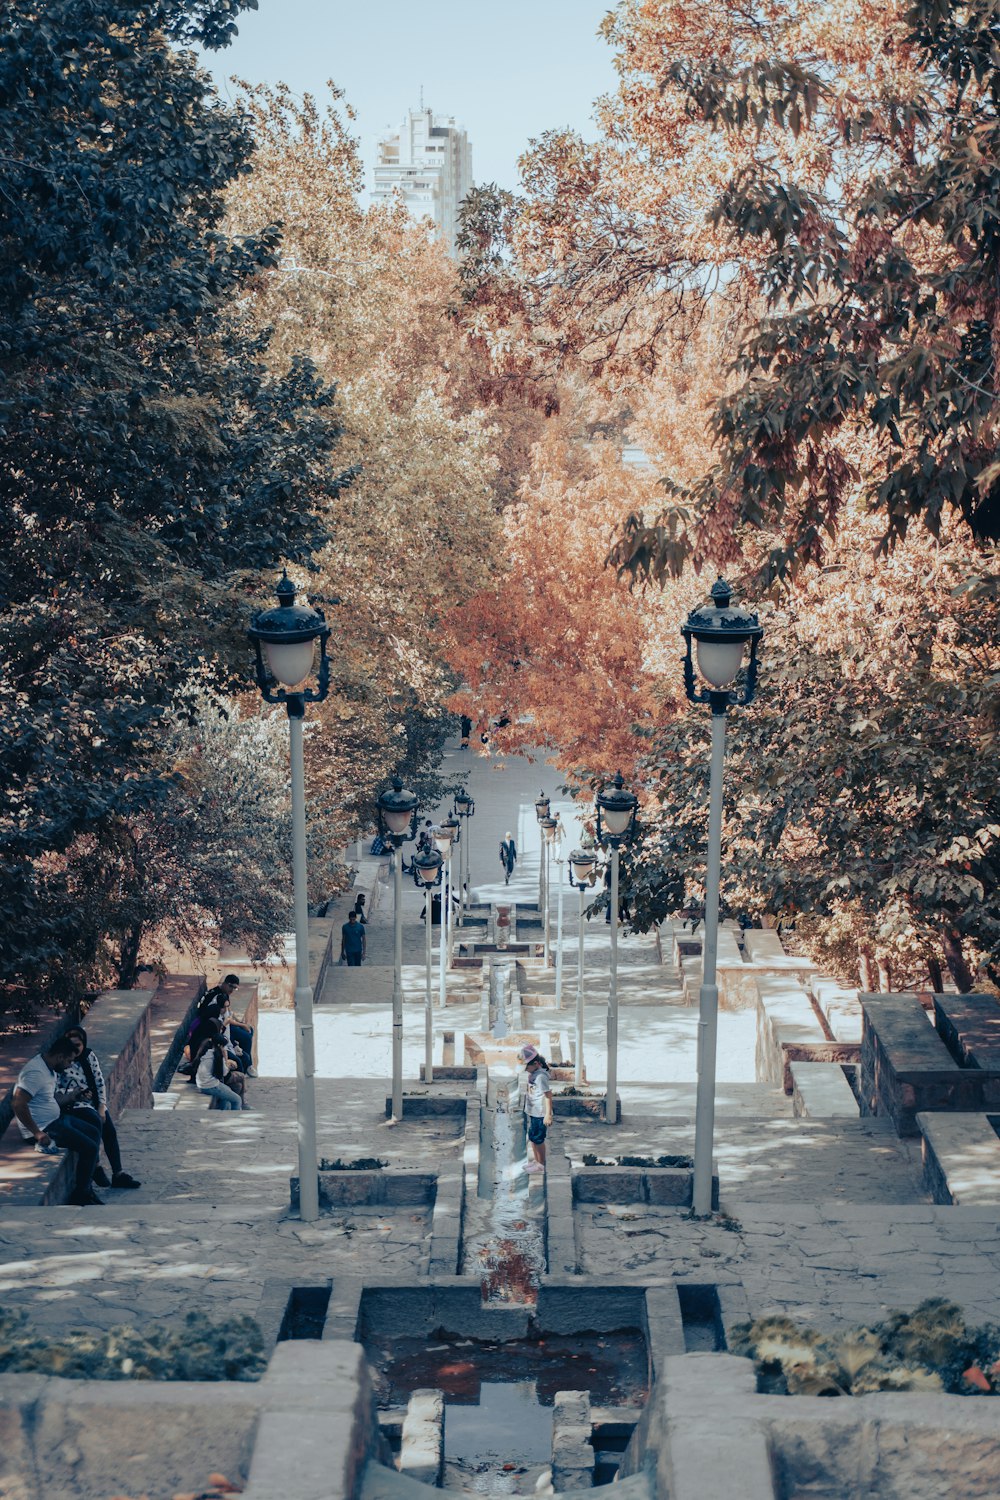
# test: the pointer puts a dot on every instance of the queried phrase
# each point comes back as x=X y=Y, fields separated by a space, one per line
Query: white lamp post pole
x=616 y=811
x=427 y=867
x=442 y=956
x=397 y=985
x=429 y=992
x=559 y=930
x=581 y=871
x=722 y=633
x=611 y=1098
x=305 y=1050
x=398 y=814
x=284 y=640
x=578 y=1073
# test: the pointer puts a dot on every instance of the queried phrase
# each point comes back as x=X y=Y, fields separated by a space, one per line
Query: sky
x=506 y=69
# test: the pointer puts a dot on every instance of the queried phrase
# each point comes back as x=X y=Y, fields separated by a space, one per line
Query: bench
x=820 y=1091
x=906 y=1068
x=961 y=1158
x=969 y=1026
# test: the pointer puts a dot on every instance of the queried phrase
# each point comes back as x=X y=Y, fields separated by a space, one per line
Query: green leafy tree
x=149 y=459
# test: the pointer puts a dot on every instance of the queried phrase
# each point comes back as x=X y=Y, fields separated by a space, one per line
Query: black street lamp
x=397 y=810
x=616 y=810
x=284 y=641
x=582 y=869
x=465 y=808
x=720 y=634
x=427 y=868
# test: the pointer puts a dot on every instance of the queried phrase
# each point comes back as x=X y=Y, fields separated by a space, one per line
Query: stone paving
x=824 y=1263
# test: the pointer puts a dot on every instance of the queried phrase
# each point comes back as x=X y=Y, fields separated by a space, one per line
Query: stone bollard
x=572 y=1450
x=421 y=1455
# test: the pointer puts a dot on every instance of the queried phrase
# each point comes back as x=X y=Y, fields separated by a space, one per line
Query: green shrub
x=194 y=1350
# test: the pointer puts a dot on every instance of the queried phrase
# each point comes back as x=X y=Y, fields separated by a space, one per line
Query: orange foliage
x=559 y=645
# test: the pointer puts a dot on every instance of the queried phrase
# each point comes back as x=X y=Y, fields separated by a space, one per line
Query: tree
x=557 y=646
x=865 y=229
x=860 y=786
x=151 y=461
x=369 y=296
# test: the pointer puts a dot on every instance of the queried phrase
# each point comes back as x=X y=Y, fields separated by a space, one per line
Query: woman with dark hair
x=81 y=1086
x=216 y=1072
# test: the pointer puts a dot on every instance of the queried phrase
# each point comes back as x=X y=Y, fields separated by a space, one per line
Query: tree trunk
x=884 y=975
x=865 y=970
x=934 y=973
x=129 y=960
x=958 y=967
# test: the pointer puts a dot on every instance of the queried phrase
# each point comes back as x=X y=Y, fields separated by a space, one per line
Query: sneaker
x=533 y=1166
x=85 y=1200
x=101 y=1177
x=251 y=1072
x=122 y=1180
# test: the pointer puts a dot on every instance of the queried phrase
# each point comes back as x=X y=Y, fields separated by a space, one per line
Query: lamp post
x=454 y=828
x=465 y=808
x=397 y=822
x=541 y=811
x=284 y=640
x=615 y=822
x=428 y=869
x=721 y=633
x=442 y=836
x=548 y=825
x=556 y=843
x=582 y=867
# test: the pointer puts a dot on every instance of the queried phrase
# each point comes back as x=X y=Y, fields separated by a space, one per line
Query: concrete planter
x=342 y=1186
x=669 y=1186
x=581 y=1106
x=421 y=1106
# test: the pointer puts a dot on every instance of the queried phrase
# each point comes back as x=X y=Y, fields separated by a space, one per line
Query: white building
x=429 y=160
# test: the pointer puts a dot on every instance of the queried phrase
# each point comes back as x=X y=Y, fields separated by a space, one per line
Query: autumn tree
x=368 y=296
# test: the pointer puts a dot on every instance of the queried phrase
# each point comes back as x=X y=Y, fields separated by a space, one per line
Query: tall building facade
x=429 y=160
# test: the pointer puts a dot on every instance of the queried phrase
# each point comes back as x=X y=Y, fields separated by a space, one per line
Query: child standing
x=537 y=1106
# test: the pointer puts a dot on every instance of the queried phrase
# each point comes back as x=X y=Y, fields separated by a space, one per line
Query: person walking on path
x=508 y=856
x=466 y=731
x=37 y=1112
x=352 y=941
x=537 y=1106
x=82 y=1083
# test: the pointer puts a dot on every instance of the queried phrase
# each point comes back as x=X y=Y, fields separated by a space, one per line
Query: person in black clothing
x=466 y=731
x=508 y=856
x=352 y=941
x=82 y=1090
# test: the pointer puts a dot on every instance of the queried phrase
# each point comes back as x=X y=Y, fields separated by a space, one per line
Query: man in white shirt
x=36 y=1110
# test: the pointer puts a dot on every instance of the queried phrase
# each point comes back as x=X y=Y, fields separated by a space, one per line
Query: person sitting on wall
x=216 y=1072
x=38 y=1116
x=81 y=1087
x=215 y=1005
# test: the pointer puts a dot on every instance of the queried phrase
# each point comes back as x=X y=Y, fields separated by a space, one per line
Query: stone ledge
x=820 y=1091
x=961 y=1158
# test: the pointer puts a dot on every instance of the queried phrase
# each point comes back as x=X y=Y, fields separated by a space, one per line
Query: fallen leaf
x=975 y=1376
